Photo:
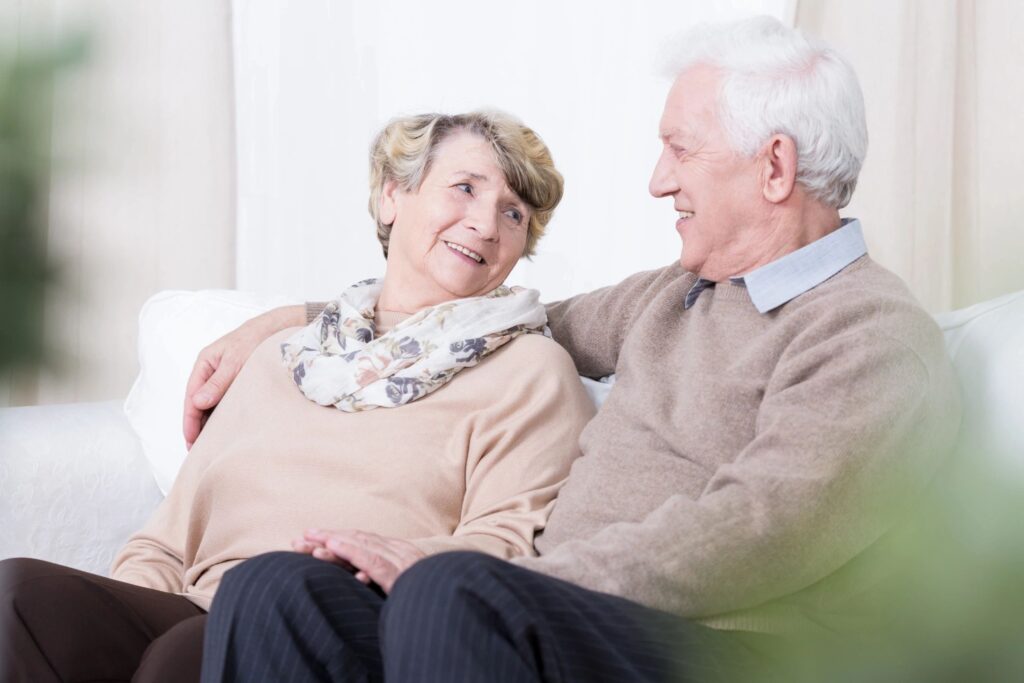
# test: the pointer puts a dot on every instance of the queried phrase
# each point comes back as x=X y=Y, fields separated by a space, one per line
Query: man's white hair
x=775 y=80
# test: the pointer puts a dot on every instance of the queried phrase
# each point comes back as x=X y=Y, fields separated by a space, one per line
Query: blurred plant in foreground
x=27 y=81
x=956 y=614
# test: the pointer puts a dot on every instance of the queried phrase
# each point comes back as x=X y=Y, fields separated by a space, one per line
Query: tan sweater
x=475 y=465
x=749 y=470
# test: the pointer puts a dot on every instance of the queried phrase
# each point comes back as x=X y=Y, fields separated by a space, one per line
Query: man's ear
x=779 y=170
x=388 y=204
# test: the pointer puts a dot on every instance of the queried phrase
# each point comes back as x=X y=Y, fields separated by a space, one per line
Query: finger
x=193 y=418
x=213 y=390
x=317 y=550
x=360 y=556
x=323 y=554
x=327 y=556
x=380 y=557
x=316 y=535
x=301 y=545
x=205 y=365
x=399 y=553
x=379 y=563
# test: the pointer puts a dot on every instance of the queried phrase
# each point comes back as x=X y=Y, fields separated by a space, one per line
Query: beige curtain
x=142 y=195
x=940 y=192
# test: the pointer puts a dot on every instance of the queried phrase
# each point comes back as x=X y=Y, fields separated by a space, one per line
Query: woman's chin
x=467 y=292
x=461 y=288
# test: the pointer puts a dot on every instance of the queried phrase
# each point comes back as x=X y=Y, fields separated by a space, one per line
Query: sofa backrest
x=986 y=343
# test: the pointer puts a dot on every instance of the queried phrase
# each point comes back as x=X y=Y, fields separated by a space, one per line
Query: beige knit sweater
x=749 y=470
x=474 y=465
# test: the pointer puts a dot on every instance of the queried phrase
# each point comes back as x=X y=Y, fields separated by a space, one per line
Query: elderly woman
x=422 y=412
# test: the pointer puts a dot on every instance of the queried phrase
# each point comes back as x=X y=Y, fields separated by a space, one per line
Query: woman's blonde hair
x=404 y=150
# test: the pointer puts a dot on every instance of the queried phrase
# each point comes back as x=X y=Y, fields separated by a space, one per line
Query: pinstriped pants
x=451 y=617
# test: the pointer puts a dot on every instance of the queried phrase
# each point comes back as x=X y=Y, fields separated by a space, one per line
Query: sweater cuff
x=314 y=309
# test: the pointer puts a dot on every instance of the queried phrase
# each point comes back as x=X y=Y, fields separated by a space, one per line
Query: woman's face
x=461 y=233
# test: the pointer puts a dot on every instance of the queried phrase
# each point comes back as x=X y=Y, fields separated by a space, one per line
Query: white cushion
x=986 y=343
x=73 y=483
x=174 y=326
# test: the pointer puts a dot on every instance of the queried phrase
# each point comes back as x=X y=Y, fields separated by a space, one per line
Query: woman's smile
x=466 y=253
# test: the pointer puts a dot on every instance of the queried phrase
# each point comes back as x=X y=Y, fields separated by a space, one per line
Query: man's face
x=715 y=190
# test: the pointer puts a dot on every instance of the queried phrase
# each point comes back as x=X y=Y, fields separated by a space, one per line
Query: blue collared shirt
x=786 y=278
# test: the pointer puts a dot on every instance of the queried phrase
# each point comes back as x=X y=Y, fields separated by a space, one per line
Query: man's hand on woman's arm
x=220 y=362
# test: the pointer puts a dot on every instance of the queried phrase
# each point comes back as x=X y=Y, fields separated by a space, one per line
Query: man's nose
x=663 y=182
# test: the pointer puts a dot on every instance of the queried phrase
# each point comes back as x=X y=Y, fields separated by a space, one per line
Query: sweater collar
x=786 y=278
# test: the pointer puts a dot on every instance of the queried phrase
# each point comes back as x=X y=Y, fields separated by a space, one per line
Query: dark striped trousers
x=451 y=617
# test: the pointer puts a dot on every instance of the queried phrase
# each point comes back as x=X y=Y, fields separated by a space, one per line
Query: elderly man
x=781 y=400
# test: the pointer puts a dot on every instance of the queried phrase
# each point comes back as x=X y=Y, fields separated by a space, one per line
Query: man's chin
x=691 y=265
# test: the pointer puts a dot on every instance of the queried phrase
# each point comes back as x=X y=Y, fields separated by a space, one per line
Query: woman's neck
x=409 y=297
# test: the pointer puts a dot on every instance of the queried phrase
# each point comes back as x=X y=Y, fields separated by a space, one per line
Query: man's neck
x=787 y=229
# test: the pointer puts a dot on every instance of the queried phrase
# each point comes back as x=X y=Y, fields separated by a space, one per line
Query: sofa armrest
x=73 y=483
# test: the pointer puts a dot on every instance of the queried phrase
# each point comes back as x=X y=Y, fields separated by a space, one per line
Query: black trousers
x=62 y=624
x=451 y=617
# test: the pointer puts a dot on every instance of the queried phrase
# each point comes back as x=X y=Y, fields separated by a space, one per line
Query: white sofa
x=75 y=480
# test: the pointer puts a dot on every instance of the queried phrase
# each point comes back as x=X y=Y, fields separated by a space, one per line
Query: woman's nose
x=484 y=222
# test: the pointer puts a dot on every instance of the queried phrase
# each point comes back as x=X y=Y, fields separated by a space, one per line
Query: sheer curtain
x=315 y=80
x=940 y=192
x=142 y=193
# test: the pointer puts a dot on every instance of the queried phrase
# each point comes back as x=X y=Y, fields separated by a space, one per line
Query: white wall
x=315 y=80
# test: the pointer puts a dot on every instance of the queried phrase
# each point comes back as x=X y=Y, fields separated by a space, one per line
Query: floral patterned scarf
x=339 y=360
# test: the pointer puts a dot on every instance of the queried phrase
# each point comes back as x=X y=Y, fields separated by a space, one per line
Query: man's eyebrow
x=671 y=133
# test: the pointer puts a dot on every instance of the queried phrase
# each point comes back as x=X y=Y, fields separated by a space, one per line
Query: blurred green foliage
x=28 y=78
x=956 y=611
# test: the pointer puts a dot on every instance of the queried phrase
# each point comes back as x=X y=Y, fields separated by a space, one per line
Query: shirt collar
x=797 y=272
x=786 y=278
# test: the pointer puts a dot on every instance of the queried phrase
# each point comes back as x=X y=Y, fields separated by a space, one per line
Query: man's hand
x=373 y=557
x=220 y=362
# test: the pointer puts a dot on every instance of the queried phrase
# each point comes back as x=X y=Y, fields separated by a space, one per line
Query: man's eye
x=465 y=187
x=515 y=215
x=678 y=151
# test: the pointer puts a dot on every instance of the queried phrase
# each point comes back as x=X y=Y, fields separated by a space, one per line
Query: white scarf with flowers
x=339 y=360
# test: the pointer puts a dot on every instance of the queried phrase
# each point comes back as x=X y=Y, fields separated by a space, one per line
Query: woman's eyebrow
x=474 y=176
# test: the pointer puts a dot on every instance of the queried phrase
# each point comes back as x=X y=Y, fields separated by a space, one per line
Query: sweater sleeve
x=592 y=326
x=153 y=557
x=520 y=450
x=848 y=432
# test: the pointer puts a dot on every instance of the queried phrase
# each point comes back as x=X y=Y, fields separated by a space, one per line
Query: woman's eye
x=465 y=187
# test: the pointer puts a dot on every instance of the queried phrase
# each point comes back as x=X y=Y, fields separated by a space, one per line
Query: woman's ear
x=388 y=206
x=779 y=158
